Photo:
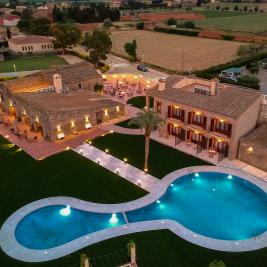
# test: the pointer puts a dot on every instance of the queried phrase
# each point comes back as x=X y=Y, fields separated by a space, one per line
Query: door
x=99 y=117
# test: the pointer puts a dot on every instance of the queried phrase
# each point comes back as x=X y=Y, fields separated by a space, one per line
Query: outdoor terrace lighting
x=176 y=107
x=198 y=113
x=250 y=149
x=104 y=76
x=72 y=124
x=135 y=77
x=90 y=142
x=196 y=132
x=221 y=120
x=58 y=128
x=65 y=211
x=175 y=125
x=113 y=219
x=114 y=76
x=67 y=148
x=219 y=140
x=37 y=119
x=117 y=108
x=106 y=150
x=106 y=112
x=86 y=118
x=125 y=160
x=145 y=170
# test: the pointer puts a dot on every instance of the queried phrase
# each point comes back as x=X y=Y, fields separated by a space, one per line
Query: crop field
x=176 y=52
x=250 y=23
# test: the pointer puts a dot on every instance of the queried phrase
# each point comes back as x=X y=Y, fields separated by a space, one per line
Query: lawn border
x=11 y=247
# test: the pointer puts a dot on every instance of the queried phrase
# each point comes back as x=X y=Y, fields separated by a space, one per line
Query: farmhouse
x=56 y=103
x=31 y=44
x=206 y=115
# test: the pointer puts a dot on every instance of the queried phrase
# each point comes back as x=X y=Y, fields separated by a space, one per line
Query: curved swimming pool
x=212 y=204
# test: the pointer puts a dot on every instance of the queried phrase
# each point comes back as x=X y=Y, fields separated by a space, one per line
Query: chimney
x=162 y=84
x=57 y=83
x=214 y=85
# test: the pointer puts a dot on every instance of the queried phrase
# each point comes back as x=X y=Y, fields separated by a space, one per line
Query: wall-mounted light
x=86 y=118
x=221 y=120
x=147 y=81
x=198 y=113
x=175 y=125
x=106 y=112
x=118 y=108
x=135 y=77
x=37 y=119
x=58 y=128
x=114 y=76
x=72 y=123
x=176 y=107
x=250 y=149
x=104 y=76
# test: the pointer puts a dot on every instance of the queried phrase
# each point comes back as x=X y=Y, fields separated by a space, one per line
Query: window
x=22 y=48
x=158 y=107
x=202 y=91
x=178 y=113
x=80 y=86
x=32 y=47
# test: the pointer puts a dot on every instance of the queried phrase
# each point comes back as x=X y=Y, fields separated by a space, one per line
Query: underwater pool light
x=65 y=211
x=113 y=219
x=196 y=174
x=230 y=177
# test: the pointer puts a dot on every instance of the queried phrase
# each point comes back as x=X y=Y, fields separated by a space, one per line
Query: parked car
x=232 y=73
x=142 y=68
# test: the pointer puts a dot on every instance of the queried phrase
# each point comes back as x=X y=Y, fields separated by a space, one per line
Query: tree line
x=92 y=13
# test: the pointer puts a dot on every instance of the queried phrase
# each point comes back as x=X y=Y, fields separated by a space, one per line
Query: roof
x=70 y=74
x=231 y=101
x=232 y=70
x=257 y=138
x=75 y=101
x=30 y=39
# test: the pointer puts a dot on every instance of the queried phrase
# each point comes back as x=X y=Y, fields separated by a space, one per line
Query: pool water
x=212 y=204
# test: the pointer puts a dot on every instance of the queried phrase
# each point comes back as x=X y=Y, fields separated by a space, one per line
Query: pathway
x=18 y=73
x=117 y=166
x=71 y=59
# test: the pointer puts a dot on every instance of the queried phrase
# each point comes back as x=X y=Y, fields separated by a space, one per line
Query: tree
x=217 y=263
x=40 y=26
x=66 y=35
x=99 y=88
x=130 y=49
x=23 y=25
x=27 y=14
x=171 y=21
x=107 y=23
x=140 y=25
x=236 y=8
x=147 y=120
x=99 y=45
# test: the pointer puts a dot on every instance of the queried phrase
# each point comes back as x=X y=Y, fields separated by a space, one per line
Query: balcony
x=220 y=126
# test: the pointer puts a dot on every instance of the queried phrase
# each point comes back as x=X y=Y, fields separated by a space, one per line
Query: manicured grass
x=253 y=23
x=162 y=160
x=31 y=63
x=24 y=180
x=140 y=102
x=126 y=125
x=218 y=13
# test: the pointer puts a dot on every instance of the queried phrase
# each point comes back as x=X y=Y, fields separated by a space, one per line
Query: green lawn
x=218 y=14
x=163 y=159
x=253 y=23
x=125 y=124
x=31 y=63
x=140 y=102
x=24 y=180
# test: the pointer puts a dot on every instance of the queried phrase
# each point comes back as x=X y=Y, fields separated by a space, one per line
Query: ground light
x=65 y=211
x=113 y=219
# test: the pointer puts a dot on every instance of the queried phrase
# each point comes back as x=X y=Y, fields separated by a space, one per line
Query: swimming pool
x=215 y=205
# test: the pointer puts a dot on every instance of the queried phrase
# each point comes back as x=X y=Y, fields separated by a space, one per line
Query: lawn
x=163 y=159
x=24 y=180
x=218 y=14
x=31 y=63
x=126 y=125
x=140 y=102
x=250 y=23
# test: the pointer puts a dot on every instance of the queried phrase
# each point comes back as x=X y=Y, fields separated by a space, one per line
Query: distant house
x=31 y=44
x=86 y=27
x=232 y=73
x=9 y=20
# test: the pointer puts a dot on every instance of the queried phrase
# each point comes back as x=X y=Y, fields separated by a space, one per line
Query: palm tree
x=147 y=120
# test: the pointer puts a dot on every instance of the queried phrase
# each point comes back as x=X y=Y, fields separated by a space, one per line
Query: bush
x=107 y=23
x=177 y=31
x=228 y=37
x=249 y=81
x=140 y=25
x=171 y=21
x=217 y=263
x=189 y=24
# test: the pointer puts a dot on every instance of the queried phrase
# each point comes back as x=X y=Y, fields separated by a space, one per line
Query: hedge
x=215 y=70
x=177 y=31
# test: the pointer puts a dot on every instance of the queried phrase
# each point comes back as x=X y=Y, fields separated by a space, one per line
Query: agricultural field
x=249 y=23
x=176 y=52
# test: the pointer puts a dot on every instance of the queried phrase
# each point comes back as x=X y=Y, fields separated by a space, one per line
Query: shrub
x=177 y=31
x=189 y=24
x=249 y=81
x=217 y=263
x=107 y=23
x=140 y=25
x=171 y=21
x=228 y=37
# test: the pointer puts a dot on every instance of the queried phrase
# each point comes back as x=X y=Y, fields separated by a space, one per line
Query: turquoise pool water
x=212 y=204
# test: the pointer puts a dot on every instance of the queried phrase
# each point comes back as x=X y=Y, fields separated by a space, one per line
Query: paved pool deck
x=15 y=250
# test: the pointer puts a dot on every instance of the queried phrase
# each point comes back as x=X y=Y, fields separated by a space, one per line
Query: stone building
x=253 y=148
x=59 y=102
x=208 y=115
